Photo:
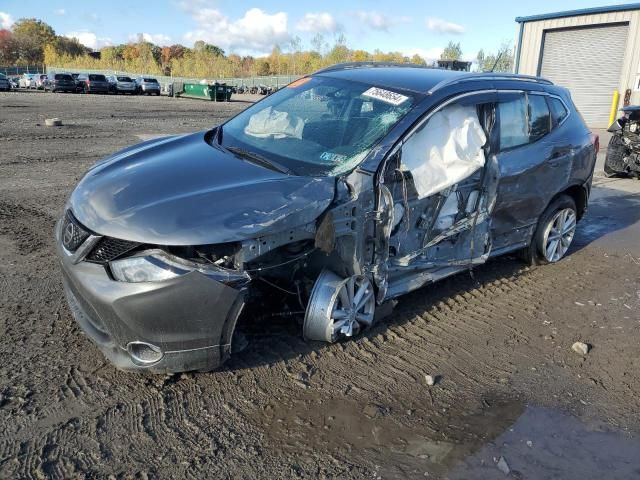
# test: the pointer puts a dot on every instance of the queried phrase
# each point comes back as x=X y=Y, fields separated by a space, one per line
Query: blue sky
x=410 y=26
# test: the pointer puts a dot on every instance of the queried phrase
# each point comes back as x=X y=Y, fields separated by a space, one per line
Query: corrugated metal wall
x=533 y=32
x=567 y=52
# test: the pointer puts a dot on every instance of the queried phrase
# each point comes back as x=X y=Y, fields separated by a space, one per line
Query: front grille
x=73 y=234
x=108 y=249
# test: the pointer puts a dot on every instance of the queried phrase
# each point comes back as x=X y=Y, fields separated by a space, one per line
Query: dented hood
x=182 y=191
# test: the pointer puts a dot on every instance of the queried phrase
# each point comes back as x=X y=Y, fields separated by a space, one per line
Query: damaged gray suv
x=325 y=201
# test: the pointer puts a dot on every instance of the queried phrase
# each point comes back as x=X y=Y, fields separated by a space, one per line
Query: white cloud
x=442 y=26
x=380 y=21
x=321 y=22
x=429 y=54
x=6 y=20
x=156 y=38
x=90 y=39
x=256 y=32
x=60 y=11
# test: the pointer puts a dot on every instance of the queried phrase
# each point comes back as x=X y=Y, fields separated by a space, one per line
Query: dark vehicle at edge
x=319 y=197
x=5 y=83
x=93 y=83
x=59 y=82
x=623 y=151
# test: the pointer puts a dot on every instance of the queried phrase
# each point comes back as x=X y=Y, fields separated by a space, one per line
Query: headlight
x=157 y=265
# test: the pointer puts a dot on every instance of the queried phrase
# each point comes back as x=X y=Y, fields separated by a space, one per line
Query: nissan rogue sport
x=326 y=200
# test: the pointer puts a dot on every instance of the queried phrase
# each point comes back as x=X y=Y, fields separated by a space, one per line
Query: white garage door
x=587 y=61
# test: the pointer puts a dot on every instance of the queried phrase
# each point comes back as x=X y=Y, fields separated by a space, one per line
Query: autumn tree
x=452 y=51
x=8 y=52
x=30 y=36
x=502 y=61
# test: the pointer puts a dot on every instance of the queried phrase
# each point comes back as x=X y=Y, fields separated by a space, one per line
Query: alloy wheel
x=339 y=308
x=559 y=234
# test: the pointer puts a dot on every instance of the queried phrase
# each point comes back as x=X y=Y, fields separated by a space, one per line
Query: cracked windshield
x=316 y=126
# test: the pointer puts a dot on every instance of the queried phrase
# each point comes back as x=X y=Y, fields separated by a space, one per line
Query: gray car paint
x=182 y=191
x=209 y=196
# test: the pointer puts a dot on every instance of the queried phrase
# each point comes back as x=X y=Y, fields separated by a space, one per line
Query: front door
x=436 y=195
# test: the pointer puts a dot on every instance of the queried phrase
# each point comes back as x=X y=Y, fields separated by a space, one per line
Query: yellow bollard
x=614 y=107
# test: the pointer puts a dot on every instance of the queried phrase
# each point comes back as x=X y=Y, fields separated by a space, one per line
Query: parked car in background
x=5 y=84
x=60 y=82
x=27 y=80
x=41 y=78
x=148 y=86
x=79 y=83
x=122 y=84
x=93 y=83
x=15 y=81
x=400 y=177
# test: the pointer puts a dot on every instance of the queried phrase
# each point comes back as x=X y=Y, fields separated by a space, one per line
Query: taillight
x=88 y=82
x=595 y=141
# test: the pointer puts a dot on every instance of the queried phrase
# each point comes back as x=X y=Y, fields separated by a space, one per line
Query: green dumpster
x=198 y=90
x=216 y=92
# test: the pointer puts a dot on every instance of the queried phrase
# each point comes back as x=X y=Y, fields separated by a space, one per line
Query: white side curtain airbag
x=446 y=150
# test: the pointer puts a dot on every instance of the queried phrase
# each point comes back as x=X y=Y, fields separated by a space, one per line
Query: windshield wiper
x=260 y=160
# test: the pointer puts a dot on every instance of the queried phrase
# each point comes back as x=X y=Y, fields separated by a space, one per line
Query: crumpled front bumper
x=188 y=321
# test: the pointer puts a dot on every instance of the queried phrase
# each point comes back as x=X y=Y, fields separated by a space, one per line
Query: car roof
x=414 y=77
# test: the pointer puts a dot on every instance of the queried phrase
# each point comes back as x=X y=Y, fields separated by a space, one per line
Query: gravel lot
x=499 y=341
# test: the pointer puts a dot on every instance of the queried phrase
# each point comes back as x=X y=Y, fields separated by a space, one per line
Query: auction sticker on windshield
x=385 y=95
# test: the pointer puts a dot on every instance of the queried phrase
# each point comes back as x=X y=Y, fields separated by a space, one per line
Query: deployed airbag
x=270 y=123
x=446 y=150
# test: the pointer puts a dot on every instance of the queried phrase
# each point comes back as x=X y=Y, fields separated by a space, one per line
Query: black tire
x=614 y=162
x=534 y=253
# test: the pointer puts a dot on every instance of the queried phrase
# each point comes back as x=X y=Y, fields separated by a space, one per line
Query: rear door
x=534 y=165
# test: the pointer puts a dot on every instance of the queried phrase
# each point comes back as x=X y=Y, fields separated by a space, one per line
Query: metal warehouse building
x=592 y=51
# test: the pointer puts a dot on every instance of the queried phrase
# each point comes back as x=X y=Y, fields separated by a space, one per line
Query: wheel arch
x=580 y=196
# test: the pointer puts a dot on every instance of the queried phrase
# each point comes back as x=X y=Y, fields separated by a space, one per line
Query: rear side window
x=97 y=78
x=514 y=130
x=558 y=110
x=539 y=118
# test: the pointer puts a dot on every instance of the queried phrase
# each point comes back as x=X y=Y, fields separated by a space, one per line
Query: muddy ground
x=498 y=340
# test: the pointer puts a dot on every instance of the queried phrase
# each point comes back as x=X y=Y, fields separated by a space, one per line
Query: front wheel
x=554 y=233
x=339 y=308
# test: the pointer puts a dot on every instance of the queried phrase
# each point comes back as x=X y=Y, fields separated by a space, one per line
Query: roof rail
x=351 y=65
x=470 y=77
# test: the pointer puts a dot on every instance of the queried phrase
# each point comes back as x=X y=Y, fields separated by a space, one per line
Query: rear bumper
x=66 y=87
x=187 y=321
x=97 y=88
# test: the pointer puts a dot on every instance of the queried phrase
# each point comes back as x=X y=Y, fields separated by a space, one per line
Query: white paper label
x=385 y=95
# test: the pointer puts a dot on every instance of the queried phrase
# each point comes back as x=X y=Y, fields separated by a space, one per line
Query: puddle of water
x=535 y=442
x=548 y=444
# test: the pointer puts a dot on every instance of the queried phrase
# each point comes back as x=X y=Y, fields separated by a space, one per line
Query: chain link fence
x=19 y=70
x=269 y=81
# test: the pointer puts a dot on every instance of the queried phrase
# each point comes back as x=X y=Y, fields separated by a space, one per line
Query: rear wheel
x=554 y=233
